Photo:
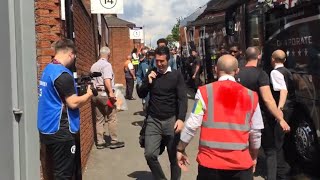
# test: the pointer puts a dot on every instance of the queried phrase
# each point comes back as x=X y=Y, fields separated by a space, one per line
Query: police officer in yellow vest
x=135 y=59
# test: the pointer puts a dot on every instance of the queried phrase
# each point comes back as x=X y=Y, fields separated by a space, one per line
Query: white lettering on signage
x=298 y=52
x=42 y=83
x=306 y=40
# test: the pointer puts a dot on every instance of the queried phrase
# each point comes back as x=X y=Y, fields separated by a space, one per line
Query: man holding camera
x=58 y=109
x=104 y=103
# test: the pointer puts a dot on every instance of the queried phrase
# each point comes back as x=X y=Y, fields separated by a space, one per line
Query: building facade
x=120 y=44
x=90 y=33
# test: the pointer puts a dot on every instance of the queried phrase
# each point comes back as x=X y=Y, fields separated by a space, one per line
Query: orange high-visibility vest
x=224 y=137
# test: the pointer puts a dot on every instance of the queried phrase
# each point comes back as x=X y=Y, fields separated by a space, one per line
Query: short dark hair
x=234 y=45
x=163 y=50
x=252 y=53
x=134 y=50
x=151 y=53
x=65 y=44
x=162 y=40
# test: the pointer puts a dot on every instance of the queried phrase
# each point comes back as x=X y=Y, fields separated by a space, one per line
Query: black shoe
x=101 y=146
x=115 y=145
x=132 y=98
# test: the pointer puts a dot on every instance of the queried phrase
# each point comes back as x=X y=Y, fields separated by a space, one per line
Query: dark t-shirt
x=253 y=78
x=65 y=87
x=196 y=61
x=241 y=62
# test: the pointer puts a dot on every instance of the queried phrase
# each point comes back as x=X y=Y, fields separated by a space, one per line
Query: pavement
x=128 y=163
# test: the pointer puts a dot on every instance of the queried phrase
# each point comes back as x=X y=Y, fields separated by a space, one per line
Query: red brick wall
x=120 y=46
x=182 y=37
x=49 y=28
x=86 y=56
x=196 y=37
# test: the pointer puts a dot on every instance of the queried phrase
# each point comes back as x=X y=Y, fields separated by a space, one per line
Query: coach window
x=254 y=29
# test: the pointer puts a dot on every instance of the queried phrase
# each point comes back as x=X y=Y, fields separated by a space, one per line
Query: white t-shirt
x=134 y=56
x=130 y=66
x=277 y=79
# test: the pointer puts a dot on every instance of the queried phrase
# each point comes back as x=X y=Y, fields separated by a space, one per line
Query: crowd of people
x=237 y=114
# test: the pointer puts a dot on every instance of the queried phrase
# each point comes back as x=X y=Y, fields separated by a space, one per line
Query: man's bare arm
x=270 y=102
x=132 y=72
x=196 y=71
x=107 y=83
x=75 y=101
x=182 y=145
x=272 y=107
x=283 y=98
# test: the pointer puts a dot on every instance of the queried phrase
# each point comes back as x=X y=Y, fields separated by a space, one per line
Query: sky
x=158 y=16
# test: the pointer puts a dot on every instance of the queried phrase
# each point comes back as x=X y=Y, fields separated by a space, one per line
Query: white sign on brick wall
x=136 y=33
x=107 y=6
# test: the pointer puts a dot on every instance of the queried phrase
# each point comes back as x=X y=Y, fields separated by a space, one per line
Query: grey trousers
x=157 y=132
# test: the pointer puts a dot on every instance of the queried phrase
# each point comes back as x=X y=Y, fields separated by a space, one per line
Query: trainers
x=101 y=146
x=115 y=145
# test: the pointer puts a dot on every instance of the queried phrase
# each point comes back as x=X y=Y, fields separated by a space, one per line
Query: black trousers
x=129 y=87
x=62 y=154
x=196 y=82
x=205 y=173
x=136 y=68
x=272 y=144
x=161 y=132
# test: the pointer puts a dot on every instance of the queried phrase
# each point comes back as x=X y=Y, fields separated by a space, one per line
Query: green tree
x=175 y=34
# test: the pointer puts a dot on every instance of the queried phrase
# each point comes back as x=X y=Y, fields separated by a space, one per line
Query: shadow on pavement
x=141 y=113
x=141 y=175
x=137 y=123
x=190 y=93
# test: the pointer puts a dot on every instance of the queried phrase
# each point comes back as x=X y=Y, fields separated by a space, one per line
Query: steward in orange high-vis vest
x=230 y=119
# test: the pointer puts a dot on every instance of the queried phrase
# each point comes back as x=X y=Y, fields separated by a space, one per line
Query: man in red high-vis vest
x=230 y=120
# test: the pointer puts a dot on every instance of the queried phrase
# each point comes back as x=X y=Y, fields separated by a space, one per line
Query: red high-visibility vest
x=224 y=137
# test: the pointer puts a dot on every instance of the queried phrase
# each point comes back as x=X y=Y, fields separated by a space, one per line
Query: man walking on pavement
x=273 y=137
x=58 y=109
x=166 y=113
x=130 y=77
x=135 y=59
x=231 y=122
x=196 y=69
x=144 y=67
x=105 y=114
x=257 y=80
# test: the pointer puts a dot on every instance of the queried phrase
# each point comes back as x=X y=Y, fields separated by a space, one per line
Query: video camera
x=84 y=80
